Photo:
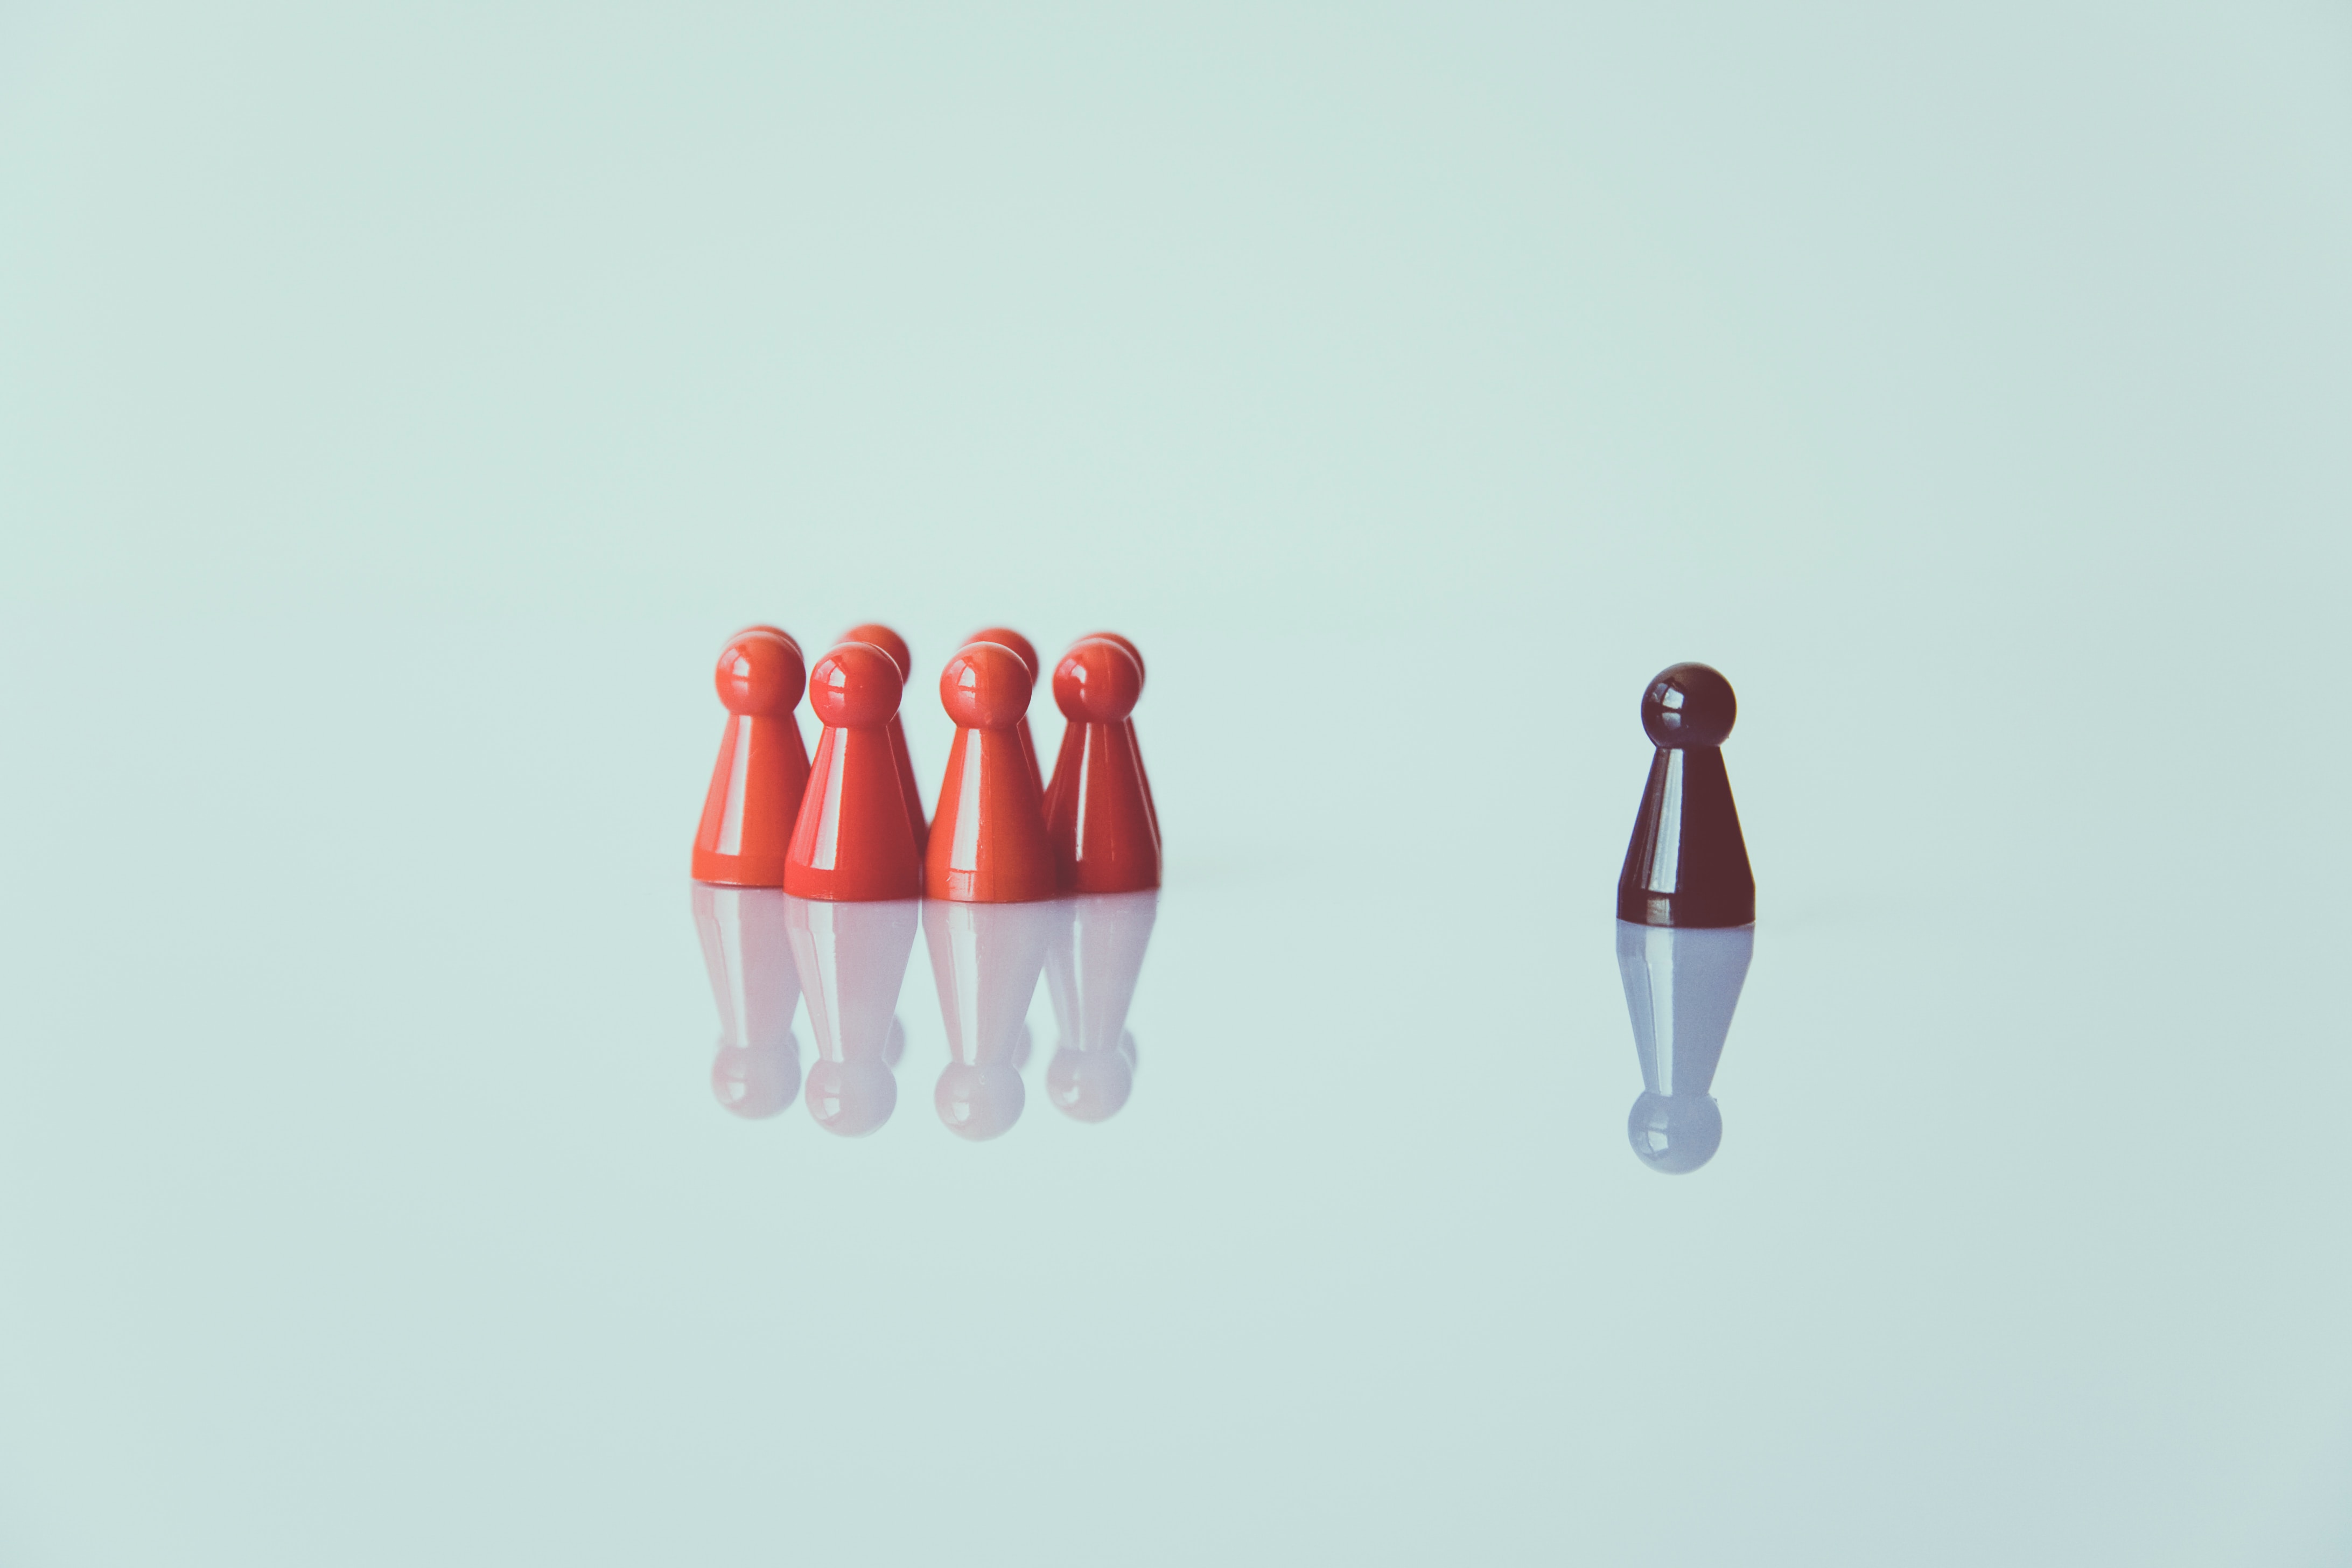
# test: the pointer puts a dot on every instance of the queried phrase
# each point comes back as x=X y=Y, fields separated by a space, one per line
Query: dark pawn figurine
x=1688 y=865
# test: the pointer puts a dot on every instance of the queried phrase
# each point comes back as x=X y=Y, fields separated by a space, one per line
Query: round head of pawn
x=889 y=641
x=853 y=686
x=1688 y=705
x=1005 y=636
x=1098 y=682
x=1133 y=652
x=760 y=672
x=1675 y=1133
x=985 y=686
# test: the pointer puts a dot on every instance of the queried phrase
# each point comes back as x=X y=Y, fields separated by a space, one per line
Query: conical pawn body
x=988 y=843
x=756 y=786
x=1687 y=863
x=851 y=962
x=1091 y=969
x=853 y=839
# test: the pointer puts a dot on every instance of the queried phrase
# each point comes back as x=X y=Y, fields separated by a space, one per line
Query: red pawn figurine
x=989 y=844
x=763 y=768
x=1006 y=636
x=852 y=840
x=1105 y=838
x=894 y=644
x=1141 y=675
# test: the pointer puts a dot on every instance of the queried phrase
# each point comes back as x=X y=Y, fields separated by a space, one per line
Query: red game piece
x=763 y=768
x=852 y=840
x=1105 y=838
x=852 y=959
x=1687 y=864
x=989 y=844
x=1007 y=637
x=894 y=644
x=985 y=960
x=1140 y=675
x=752 y=978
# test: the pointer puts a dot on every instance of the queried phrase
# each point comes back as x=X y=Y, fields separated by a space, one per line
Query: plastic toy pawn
x=1099 y=817
x=762 y=770
x=988 y=845
x=1142 y=677
x=852 y=840
x=894 y=644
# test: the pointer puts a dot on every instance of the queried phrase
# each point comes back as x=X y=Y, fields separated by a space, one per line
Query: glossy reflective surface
x=766 y=949
x=399 y=406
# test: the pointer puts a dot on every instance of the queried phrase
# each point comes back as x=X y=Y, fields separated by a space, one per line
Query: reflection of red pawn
x=894 y=644
x=852 y=840
x=1090 y=973
x=1005 y=636
x=763 y=768
x=985 y=959
x=989 y=844
x=852 y=959
x=1099 y=816
x=756 y=985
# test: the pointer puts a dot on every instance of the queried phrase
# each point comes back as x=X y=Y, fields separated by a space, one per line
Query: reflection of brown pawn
x=1099 y=817
x=763 y=768
x=984 y=961
x=748 y=951
x=852 y=959
x=1090 y=973
x=894 y=644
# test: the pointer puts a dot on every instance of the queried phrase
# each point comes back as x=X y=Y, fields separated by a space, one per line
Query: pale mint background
x=398 y=404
